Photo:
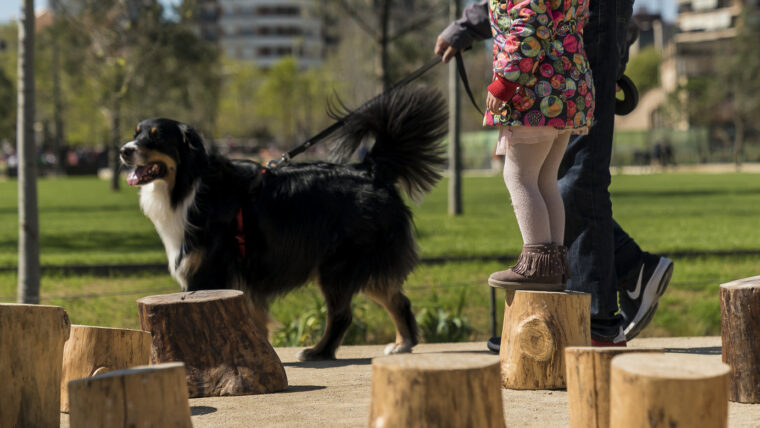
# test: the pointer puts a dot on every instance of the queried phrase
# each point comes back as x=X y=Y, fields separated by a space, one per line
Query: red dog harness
x=240 y=233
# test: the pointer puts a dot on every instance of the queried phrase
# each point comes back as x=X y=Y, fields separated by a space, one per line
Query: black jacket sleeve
x=473 y=26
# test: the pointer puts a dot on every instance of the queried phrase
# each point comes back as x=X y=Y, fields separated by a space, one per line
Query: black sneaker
x=494 y=344
x=639 y=292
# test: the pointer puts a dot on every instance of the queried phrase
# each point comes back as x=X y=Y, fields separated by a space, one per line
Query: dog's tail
x=407 y=126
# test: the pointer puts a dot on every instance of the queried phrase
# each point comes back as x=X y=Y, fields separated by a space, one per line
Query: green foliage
x=307 y=327
x=440 y=324
x=644 y=69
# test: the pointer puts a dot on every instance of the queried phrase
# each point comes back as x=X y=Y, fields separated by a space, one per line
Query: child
x=541 y=94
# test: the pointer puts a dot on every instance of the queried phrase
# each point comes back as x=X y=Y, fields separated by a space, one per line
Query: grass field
x=708 y=222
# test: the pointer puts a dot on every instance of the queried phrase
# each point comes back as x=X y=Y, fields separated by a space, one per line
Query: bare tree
x=29 y=236
x=395 y=19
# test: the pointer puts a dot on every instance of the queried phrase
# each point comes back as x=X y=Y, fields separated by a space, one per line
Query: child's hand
x=493 y=103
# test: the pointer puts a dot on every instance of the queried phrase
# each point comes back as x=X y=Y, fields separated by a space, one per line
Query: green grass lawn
x=701 y=218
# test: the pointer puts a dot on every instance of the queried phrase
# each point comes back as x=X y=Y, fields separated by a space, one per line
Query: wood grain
x=740 y=332
x=213 y=333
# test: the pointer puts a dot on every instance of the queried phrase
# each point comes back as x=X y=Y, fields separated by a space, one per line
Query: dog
x=240 y=225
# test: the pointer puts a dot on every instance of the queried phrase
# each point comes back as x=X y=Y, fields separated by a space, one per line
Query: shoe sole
x=522 y=286
x=649 y=301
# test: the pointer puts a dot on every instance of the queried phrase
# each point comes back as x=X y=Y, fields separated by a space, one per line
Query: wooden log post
x=538 y=325
x=739 y=329
x=31 y=351
x=436 y=390
x=668 y=390
x=213 y=333
x=144 y=396
x=588 y=383
x=91 y=351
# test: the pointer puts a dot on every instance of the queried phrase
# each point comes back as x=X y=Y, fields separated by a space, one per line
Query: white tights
x=533 y=155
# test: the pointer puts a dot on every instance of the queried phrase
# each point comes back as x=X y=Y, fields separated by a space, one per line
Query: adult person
x=604 y=260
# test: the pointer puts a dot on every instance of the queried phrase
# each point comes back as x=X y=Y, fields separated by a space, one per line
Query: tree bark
x=92 y=351
x=31 y=351
x=28 y=215
x=115 y=162
x=213 y=332
x=740 y=328
x=57 y=101
x=146 y=396
x=436 y=390
x=588 y=383
x=384 y=42
x=538 y=325
x=668 y=391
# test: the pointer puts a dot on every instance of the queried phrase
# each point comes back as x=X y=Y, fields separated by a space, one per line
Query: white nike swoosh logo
x=636 y=291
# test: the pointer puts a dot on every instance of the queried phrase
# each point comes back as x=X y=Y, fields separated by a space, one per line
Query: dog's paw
x=393 y=348
x=311 y=354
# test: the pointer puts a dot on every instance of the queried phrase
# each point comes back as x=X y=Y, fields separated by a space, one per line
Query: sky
x=10 y=9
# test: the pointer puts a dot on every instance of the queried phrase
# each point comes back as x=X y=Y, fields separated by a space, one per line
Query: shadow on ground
x=329 y=363
x=201 y=410
x=711 y=350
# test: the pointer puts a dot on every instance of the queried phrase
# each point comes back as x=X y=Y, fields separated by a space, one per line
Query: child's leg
x=547 y=183
x=522 y=167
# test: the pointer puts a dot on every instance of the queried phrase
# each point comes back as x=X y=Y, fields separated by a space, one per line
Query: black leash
x=287 y=156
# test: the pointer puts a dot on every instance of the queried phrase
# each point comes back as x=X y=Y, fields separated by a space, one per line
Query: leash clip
x=284 y=159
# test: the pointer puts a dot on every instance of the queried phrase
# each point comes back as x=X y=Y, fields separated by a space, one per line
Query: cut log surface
x=740 y=332
x=213 y=333
x=31 y=352
x=146 y=396
x=436 y=390
x=588 y=383
x=538 y=325
x=96 y=350
x=669 y=391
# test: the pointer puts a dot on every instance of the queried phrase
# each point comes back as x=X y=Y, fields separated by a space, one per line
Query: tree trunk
x=91 y=351
x=213 y=332
x=385 y=23
x=740 y=328
x=115 y=162
x=29 y=229
x=31 y=350
x=538 y=325
x=588 y=383
x=738 y=141
x=436 y=390
x=668 y=390
x=57 y=102
x=455 y=129
x=146 y=396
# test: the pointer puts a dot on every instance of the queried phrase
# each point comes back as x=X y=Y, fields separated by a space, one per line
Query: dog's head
x=163 y=149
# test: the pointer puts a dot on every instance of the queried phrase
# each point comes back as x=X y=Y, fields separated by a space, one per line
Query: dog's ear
x=190 y=137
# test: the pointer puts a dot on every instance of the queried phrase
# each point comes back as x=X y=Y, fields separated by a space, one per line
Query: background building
x=263 y=31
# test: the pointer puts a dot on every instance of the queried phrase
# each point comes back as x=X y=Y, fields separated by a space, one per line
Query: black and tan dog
x=236 y=224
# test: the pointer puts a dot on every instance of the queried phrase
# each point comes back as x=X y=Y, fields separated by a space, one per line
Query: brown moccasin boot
x=539 y=268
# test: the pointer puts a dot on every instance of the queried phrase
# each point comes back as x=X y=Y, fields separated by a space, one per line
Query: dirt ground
x=337 y=393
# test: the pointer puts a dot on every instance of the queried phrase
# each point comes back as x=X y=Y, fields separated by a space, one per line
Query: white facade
x=264 y=31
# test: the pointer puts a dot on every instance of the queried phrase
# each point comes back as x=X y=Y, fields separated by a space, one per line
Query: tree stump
x=588 y=383
x=145 y=396
x=91 y=351
x=213 y=333
x=538 y=325
x=739 y=330
x=436 y=390
x=668 y=390
x=31 y=351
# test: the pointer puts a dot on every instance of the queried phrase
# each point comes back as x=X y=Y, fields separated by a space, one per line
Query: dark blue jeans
x=591 y=234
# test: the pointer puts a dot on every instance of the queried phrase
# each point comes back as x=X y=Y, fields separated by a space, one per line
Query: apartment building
x=263 y=31
x=706 y=28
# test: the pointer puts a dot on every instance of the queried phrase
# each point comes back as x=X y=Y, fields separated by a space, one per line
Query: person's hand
x=493 y=103
x=442 y=47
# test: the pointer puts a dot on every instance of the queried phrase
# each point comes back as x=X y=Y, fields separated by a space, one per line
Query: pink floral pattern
x=539 y=45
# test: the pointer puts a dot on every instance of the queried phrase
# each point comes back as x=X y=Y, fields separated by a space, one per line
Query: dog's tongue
x=133 y=179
